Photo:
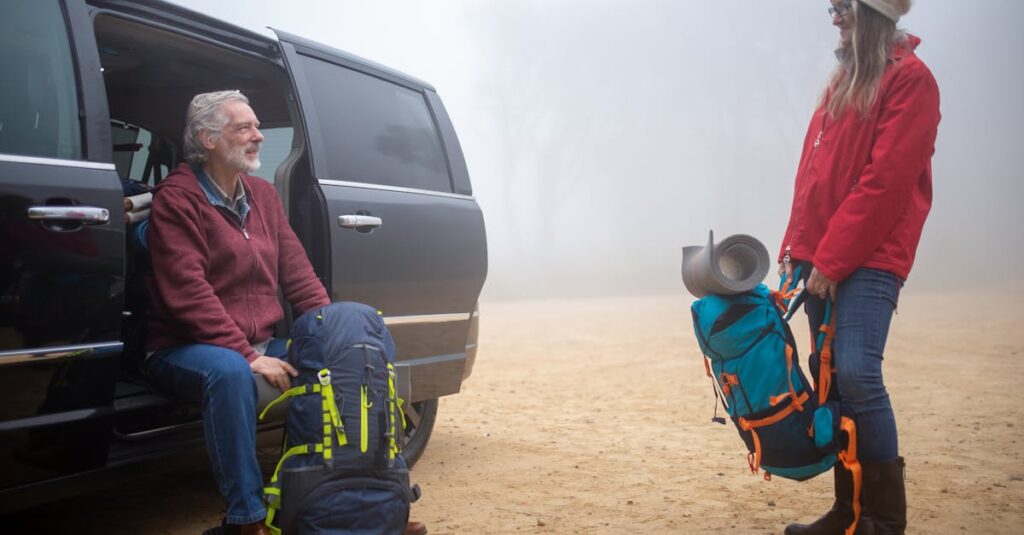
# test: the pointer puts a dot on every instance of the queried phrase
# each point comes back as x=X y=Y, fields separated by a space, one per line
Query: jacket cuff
x=251 y=355
x=826 y=270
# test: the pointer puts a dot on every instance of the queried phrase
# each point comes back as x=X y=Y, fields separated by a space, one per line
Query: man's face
x=843 y=19
x=238 y=145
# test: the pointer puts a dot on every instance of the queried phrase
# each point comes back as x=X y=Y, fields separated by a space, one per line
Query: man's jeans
x=221 y=381
x=864 y=306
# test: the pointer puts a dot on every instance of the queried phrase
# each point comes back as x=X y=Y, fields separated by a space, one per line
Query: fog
x=602 y=136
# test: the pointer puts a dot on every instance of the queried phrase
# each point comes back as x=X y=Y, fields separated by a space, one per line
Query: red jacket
x=215 y=281
x=864 y=185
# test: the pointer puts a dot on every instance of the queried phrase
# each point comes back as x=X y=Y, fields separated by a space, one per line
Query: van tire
x=418 y=434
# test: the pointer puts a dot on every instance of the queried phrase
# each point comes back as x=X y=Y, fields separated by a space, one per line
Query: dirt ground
x=594 y=417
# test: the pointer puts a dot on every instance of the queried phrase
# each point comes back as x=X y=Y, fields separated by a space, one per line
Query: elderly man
x=221 y=248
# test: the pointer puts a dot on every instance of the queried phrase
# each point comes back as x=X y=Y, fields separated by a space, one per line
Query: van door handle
x=363 y=223
x=82 y=215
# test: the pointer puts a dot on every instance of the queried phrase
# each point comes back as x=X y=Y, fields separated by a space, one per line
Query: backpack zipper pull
x=364 y=420
x=364 y=406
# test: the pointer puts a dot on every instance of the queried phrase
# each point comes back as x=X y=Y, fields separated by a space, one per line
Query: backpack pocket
x=337 y=502
x=826 y=428
x=781 y=443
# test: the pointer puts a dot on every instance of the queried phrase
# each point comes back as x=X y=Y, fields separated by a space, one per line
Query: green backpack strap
x=272 y=492
x=332 y=417
x=396 y=416
x=290 y=393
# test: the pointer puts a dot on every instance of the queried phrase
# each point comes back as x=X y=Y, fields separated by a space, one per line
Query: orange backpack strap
x=827 y=332
x=797 y=402
x=824 y=379
x=848 y=457
x=754 y=457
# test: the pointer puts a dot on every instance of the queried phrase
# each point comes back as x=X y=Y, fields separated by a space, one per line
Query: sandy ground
x=594 y=417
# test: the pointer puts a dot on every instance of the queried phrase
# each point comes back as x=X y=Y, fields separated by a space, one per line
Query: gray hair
x=205 y=113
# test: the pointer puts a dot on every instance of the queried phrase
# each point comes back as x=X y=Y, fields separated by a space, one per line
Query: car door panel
x=60 y=308
x=62 y=239
x=425 y=263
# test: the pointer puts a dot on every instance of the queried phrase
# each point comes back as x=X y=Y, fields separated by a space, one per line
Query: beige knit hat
x=892 y=9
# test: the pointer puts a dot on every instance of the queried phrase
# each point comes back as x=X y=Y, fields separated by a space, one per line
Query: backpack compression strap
x=396 y=416
x=331 y=415
x=752 y=425
x=827 y=332
x=272 y=492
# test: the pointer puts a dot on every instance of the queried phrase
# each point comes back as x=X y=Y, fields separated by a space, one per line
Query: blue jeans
x=221 y=381
x=864 y=306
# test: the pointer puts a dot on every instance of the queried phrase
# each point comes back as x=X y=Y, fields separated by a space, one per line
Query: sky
x=601 y=136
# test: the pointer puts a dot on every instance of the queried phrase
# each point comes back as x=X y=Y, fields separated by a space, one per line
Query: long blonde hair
x=855 y=81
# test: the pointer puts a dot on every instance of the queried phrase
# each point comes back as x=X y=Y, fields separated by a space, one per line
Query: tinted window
x=375 y=131
x=132 y=145
x=38 y=95
x=140 y=158
x=277 y=144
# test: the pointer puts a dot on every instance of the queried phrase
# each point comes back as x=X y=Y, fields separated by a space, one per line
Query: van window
x=38 y=91
x=375 y=131
x=277 y=144
x=132 y=147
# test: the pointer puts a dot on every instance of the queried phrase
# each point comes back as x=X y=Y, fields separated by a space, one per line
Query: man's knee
x=228 y=368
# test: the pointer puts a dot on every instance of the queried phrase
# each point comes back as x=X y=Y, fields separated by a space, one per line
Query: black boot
x=837 y=519
x=885 y=497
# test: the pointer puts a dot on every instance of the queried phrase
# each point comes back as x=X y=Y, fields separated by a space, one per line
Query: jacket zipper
x=807 y=167
x=252 y=276
x=252 y=272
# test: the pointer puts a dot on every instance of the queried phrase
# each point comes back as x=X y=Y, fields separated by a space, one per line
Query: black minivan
x=93 y=98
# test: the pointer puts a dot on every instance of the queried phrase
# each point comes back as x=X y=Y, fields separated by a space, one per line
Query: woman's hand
x=821 y=285
x=276 y=371
x=786 y=274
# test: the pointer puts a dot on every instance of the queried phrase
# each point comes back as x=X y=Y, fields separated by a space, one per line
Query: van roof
x=180 y=17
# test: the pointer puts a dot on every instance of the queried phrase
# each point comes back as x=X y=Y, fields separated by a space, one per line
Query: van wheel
x=419 y=423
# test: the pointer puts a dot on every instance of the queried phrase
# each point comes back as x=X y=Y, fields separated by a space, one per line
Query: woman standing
x=863 y=191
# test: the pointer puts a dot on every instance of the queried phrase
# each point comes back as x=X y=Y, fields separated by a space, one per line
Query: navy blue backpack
x=790 y=429
x=342 y=471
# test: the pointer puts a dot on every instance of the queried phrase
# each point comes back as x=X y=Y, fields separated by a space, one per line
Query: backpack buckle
x=324 y=376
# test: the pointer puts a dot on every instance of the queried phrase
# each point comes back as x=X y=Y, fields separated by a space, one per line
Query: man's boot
x=885 y=495
x=415 y=528
x=837 y=519
x=256 y=528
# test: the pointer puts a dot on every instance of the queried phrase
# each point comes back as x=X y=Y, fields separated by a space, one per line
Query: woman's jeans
x=221 y=381
x=864 y=306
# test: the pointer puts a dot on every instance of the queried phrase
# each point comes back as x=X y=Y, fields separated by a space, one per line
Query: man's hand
x=821 y=285
x=276 y=371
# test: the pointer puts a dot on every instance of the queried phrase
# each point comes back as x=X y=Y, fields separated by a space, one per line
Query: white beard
x=236 y=157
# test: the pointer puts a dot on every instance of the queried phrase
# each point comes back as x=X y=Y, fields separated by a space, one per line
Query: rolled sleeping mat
x=735 y=265
x=135 y=217
x=138 y=202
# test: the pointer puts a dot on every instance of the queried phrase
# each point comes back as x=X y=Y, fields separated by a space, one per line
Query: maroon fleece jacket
x=215 y=281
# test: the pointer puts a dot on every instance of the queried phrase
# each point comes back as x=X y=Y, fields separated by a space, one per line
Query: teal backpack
x=790 y=428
